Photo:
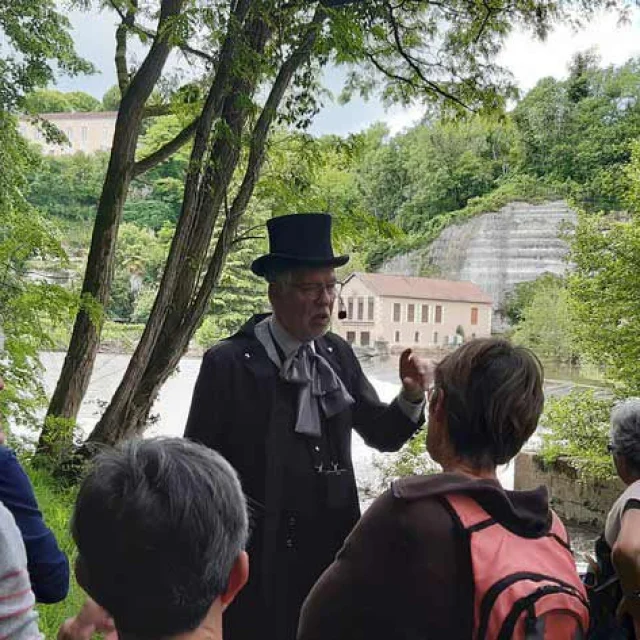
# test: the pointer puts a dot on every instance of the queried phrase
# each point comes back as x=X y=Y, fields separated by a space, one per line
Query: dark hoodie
x=403 y=572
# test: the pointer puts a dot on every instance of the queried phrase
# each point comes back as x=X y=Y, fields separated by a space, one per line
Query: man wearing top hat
x=279 y=399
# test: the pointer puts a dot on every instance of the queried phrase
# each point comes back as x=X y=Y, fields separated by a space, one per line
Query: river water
x=172 y=406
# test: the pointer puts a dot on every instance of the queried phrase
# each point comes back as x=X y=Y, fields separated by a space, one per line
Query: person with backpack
x=454 y=555
x=614 y=590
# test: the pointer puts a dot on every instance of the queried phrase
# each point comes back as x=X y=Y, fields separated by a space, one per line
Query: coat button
x=247 y=355
x=292 y=521
x=317 y=448
x=330 y=349
x=289 y=543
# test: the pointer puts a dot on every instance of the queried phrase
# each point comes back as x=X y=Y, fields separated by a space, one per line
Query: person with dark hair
x=454 y=555
x=161 y=527
x=279 y=399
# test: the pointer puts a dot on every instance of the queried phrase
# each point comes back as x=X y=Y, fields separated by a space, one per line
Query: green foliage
x=449 y=163
x=580 y=130
x=140 y=257
x=604 y=294
x=111 y=98
x=575 y=428
x=68 y=187
x=545 y=325
x=28 y=306
x=36 y=42
x=52 y=101
x=56 y=504
x=411 y=459
x=522 y=294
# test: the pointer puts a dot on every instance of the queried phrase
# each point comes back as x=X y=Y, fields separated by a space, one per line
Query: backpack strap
x=559 y=532
x=471 y=515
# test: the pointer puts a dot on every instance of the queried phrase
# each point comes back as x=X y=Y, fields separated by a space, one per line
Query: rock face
x=496 y=250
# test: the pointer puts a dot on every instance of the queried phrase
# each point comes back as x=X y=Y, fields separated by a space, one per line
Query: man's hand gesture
x=416 y=375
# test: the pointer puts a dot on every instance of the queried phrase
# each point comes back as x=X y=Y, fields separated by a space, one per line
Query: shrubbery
x=576 y=428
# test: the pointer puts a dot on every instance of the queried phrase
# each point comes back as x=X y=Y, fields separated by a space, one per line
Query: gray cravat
x=320 y=387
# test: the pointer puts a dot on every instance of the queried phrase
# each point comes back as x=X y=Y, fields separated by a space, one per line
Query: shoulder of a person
x=407 y=522
x=7 y=455
x=229 y=347
x=10 y=536
x=630 y=495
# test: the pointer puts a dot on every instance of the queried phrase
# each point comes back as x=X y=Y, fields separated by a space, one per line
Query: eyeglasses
x=313 y=290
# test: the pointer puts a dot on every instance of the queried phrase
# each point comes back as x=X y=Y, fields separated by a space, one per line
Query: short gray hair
x=282 y=275
x=625 y=430
x=159 y=524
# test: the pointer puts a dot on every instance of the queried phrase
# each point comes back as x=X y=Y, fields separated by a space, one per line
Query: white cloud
x=530 y=59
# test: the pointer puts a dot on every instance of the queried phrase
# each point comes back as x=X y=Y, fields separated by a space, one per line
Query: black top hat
x=301 y=239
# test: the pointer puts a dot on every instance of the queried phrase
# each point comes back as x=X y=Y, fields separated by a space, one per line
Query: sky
x=526 y=58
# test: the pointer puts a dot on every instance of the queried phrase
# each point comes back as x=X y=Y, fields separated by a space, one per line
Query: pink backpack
x=524 y=588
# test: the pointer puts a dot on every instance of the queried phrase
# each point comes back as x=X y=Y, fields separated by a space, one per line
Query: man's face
x=303 y=306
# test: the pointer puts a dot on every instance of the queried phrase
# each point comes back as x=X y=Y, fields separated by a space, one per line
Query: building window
x=350 y=310
x=397 y=336
x=364 y=339
x=425 y=313
x=396 y=312
x=416 y=337
x=473 y=336
x=84 y=134
x=351 y=337
x=360 y=309
x=435 y=337
x=69 y=134
x=370 y=305
x=411 y=313
x=438 y=318
x=474 y=315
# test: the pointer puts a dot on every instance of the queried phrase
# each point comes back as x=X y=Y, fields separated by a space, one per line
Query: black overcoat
x=232 y=411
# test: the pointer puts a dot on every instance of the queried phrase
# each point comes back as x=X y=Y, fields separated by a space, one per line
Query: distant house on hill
x=405 y=311
x=86 y=131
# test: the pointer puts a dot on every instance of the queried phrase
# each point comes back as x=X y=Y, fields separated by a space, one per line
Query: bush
x=411 y=459
x=576 y=428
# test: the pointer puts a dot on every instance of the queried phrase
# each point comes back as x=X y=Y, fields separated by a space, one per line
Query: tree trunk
x=172 y=323
x=78 y=365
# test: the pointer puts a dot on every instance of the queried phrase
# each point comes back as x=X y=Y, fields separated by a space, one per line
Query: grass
x=56 y=505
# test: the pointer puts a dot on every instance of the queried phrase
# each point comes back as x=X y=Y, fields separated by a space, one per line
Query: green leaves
x=37 y=40
x=575 y=428
x=29 y=305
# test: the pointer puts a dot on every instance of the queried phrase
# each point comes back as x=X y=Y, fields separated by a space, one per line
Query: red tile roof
x=387 y=285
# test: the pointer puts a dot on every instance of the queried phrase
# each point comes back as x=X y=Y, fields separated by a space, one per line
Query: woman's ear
x=237 y=579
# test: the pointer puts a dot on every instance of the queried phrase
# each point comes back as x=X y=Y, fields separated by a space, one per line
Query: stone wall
x=581 y=502
x=495 y=250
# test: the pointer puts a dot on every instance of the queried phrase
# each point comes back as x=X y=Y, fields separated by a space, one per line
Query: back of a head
x=158 y=525
x=493 y=399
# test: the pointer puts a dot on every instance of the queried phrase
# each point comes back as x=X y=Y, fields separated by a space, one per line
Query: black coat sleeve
x=204 y=423
x=382 y=426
